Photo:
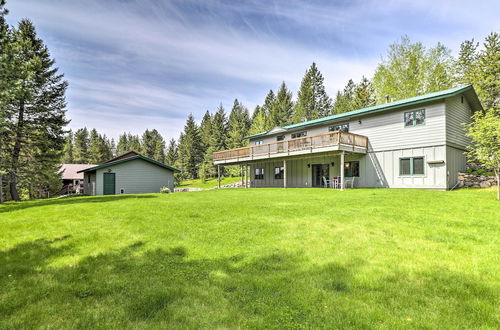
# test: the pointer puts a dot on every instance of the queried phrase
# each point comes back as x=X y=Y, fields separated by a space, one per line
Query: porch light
x=309 y=165
x=347 y=165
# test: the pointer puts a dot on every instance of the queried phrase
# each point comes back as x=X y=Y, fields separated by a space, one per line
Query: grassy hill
x=253 y=258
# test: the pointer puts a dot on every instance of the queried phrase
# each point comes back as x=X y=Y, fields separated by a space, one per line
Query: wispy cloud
x=138 y=64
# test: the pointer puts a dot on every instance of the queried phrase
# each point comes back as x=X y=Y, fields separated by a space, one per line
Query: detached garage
x=130 y=173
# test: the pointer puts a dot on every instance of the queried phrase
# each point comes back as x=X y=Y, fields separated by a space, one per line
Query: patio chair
x=335 y=184
x=326 y=182
x=349 y=181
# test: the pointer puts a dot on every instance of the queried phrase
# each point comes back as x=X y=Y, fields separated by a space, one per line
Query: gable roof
x=468 y=90
x=121 y=159
x=126 y=155
x=72 y=171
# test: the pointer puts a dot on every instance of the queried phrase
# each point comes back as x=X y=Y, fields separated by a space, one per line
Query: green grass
x=209 y=182
x=253 y=258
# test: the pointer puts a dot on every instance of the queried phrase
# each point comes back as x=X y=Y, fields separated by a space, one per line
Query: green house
x=131 y=173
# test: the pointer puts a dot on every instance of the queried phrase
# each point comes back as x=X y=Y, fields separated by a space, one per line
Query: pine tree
x=153 y=145
x=267 y=108
x=134 y=143
x=466 y=64
x=344 y=100
x=123 y=145
x=206 y=132
x=364 y=95
x=190 y=153
x=94 y=154
x=81 y=146
x=258 y=121
x=488 y=73
x=312 y=100
x=172 y=154
x=238 y=125
x=68 y=149
x=6 y=88
x=36 y=129
x=282 y=110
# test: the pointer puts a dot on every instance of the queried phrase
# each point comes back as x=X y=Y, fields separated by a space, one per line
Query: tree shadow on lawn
x=134 y=287
x=14 y=206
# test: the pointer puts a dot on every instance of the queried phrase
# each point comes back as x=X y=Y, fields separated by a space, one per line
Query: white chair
x=326 y=182
x=349 y=181
x=335 y=182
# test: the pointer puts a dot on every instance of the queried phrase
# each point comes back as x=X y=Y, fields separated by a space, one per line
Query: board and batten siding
x=458 y=113
x=135 y=177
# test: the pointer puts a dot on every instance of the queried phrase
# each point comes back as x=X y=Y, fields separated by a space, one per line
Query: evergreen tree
x=312 y=101
x=238 y=125
x=68 y=149
x=219 y=130
x=487 y=81
x=172 y=154
x=267 y=108
x=94 y=152
x=134 y=143
x=364 y=95
x=206 y=130
x=153 y=145
x=258 y=121
x=81 y=146
x=344 y=101
x=190 y=153
x=36 y=116
x=6 y=89
x=123 y=145
x=282 y=110
x=466 y=63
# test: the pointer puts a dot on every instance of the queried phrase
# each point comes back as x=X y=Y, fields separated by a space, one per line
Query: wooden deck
x=330 y=141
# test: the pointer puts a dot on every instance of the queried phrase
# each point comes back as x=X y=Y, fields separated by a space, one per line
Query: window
x=278 y=172
x=259 y=174
x=259 y=142
x=351 y=169
x=411 y=166
x=341 y=127
x=299 y=134
x=414 y=118
x=280 y=138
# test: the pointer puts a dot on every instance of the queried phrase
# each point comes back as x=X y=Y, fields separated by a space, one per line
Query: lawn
x=209 y=182
x=253 y=258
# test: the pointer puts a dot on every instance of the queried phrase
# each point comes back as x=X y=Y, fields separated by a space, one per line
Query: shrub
x=165 y=190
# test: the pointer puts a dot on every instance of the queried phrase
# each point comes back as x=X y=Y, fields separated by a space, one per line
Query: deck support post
x=242 y=176
x=218 y=176
x=342 y=171
x=284 y=173
x=247 y=169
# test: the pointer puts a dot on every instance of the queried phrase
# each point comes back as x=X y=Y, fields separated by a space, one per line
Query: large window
x=259 y=174
x=299 y=134
x=414 y=118
x=411 y=166
x=259 y=142
x=280 y=138
x=341 y=127
x=279 y=172
x=351 y=169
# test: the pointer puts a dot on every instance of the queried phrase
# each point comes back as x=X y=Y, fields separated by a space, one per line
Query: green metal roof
x=152 y=161
x=377 y=108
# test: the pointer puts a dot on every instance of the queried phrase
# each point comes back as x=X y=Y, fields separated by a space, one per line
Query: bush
x=165 y=190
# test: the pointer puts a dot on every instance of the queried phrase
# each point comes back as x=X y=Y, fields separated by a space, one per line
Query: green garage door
x=109 y=184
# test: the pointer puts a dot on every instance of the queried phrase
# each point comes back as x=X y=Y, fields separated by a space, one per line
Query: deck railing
x=302 y=143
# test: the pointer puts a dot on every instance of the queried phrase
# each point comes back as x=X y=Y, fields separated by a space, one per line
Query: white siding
x=386 y=131
x=457 y=113
x=456 y=162
x=136 y=176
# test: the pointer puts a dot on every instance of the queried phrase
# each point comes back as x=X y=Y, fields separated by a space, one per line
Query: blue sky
x=137 y=64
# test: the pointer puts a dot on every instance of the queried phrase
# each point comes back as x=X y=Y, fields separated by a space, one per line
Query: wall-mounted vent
x=122 y=191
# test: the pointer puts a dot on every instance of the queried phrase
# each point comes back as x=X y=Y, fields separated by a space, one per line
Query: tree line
x=34 y=139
